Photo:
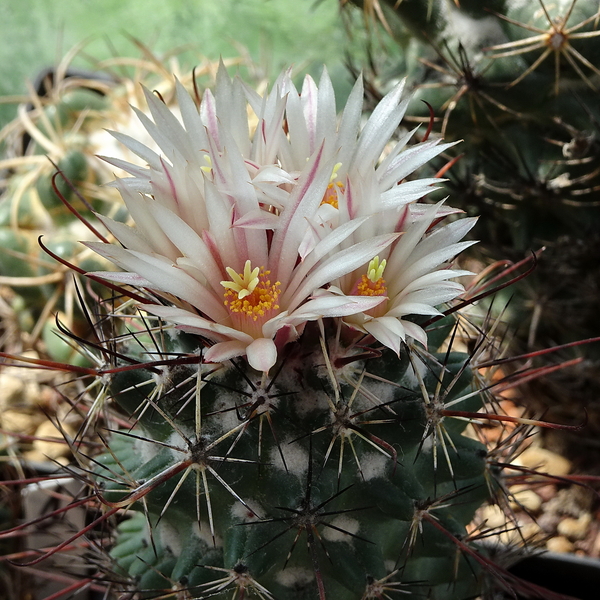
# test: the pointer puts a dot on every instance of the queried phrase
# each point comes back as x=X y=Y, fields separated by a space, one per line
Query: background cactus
x=52 y=132
x=518 y=82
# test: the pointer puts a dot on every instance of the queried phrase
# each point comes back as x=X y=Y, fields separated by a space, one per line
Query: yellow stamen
x=330 y=196
x=375 y=269
x=336 y=168
x=373 y=283
x=251 y=293
x=331 y=193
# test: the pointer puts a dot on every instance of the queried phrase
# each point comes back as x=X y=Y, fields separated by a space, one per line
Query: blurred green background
x=276 y=33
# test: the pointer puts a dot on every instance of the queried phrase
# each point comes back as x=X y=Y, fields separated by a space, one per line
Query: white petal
x=185 y=318
x=340 y=264
x=324 y=247
x=424 y=281
x=416 y=332
x=271 y=194
x=323 y=306
x=128 y=236
x=191 y=118
x=273 y=174
x=146 y=224
x=164 y=276
x=262 y=354
x=208 y=112
x=310 y=108
x=392 y=156
x=303 y=202
x=349 y=124
x=388 y=331
x=335 y=306
x=231 y=107
x=189 y=244
x=432 y=295
x=177 y=139
x=158 y=135
x=257 y=219
x=409 y=191
x=122 y=277
x=223 y=351
x=408 y=161
x=326 y=116
x=402 y=251
x=426 y=264
x=444 y=237
x=220 y=221
x=138 y=148
x=413 y=308
x=381 y=125
x=135 y=170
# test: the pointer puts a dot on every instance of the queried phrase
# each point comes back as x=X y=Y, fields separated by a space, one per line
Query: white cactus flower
x=246 y=236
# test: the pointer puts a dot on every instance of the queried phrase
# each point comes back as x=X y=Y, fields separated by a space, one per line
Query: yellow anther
x=366 y=287
x=208 y=160
x=243 y=283
x=331 y=193
x=330 y=196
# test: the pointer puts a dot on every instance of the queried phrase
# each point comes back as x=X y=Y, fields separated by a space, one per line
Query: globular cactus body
x=347 y=465
x=517 y=81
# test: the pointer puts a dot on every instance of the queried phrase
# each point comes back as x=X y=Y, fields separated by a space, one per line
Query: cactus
x=282 y=443
x=52 y=131
x=286 y=416
x=517 y=81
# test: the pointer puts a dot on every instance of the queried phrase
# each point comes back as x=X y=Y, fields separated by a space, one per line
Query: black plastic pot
x=575 y=576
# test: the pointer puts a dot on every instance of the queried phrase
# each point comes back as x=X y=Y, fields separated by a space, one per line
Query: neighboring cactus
x=52 y=132
x=518 y=82
x=291 y=418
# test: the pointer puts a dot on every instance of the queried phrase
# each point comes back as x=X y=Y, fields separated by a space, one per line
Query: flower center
x=372 y=283
x=251 y=293
x=331 y=193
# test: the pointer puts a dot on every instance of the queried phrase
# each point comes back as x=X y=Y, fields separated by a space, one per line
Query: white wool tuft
x=241 y=512
x=342 y=522
x=296 y=458
x=374 y=464
x=294 y=576
x=147 y=449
